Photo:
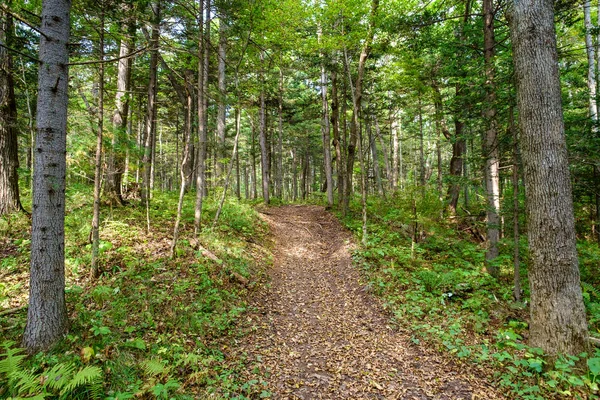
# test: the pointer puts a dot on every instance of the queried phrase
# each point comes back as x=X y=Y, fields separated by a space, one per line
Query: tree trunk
x=116 y=159
x=490 y=142
x=222 y=104
x=356 y=101
x=374 y=153
x=515 y=184
x=558 y=319
x=279 y=152
x=325 y=131
x=262 y=135
x=47 y=312
x=395 y=127
x=335 y=124
x=459 y=148
x=98 y=167
x=151 y=110
x=591 y=55
x=9 y=156
x=203 y=55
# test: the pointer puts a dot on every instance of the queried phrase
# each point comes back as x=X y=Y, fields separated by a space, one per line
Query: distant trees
x=47 y=312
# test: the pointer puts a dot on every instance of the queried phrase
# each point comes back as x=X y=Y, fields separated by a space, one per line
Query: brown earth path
x=319 y=335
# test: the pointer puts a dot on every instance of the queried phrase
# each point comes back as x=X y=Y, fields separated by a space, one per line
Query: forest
x=344 y=199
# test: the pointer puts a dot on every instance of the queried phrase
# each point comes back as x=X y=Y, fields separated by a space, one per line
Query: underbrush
x=431 y=274
x=150 y=326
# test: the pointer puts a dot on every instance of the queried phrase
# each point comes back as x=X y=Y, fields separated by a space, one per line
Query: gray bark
x=222 y=103
x=47 y=312
x=558 y=320
x=262 y=136
x=591 y=56
x=9 y=157
x=490 y=142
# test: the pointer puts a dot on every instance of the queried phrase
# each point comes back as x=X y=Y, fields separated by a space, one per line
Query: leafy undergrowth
x=150 y=326
x=438 y=288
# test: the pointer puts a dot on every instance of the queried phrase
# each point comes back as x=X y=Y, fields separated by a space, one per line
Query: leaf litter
x=317 y=333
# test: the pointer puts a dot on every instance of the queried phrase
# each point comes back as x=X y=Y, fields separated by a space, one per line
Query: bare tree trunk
x=335 y=124
x=253 y=156
x=94 y=273
x=421 y=144
x=515 y=184
x=9 y=156
x=558 y=318
x=228 y=177
x=47 y=312
x=294 y=175
x=116 y=158
x=222 y=104
x=325 y=131
x=262 y=132
x=386 y=161
x=279 y=152
x=591 y=55
x=151 y=112
x=490 y=142
x=395 y=126
x=356 y=103
x=374 y=153
x=202 y=111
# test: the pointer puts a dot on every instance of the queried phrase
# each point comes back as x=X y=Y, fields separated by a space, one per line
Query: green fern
x=58 y=376
x=61 y=381
x=11 y=361
x=588 y=288
x=25 y=382
x=155 y=367
x=89 y=376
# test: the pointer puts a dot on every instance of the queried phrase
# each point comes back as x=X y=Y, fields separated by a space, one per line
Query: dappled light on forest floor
x=318 y=333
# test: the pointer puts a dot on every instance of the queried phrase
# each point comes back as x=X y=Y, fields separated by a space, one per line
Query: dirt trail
x=320 y=335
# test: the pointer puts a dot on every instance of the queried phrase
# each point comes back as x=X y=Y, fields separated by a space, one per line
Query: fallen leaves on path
x=318 y=334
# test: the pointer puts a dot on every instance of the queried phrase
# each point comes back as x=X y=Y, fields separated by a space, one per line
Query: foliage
x=150 y=325
x=438 y=288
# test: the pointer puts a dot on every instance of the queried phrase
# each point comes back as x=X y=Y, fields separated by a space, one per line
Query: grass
x=155 y=326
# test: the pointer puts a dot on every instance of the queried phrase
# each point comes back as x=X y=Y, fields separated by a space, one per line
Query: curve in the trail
x=319 y=335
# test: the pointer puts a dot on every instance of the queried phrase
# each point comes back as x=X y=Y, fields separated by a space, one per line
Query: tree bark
x=116 y=160
x=203 y=55
x=490 y=142
x=47 y=312
x=558 y=319
x=262 y=135
x=335 y=124
x=98 y=167
x=9 y=156
x=356 y=102
x=222 y=103
x=591 y=56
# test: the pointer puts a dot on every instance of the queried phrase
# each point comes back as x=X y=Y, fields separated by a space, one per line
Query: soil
x=317 y=332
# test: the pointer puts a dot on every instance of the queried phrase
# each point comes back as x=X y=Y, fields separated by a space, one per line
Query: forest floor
x=317 y=332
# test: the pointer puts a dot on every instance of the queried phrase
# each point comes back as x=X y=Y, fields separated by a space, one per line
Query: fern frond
x=26 y=382
x=88 y=376
x=59 y=376
x=10 y=361
x=155 y=367
x=589 y=288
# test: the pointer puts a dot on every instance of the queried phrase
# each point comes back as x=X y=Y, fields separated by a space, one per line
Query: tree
x=558 y=321
x=490 y=141
x=47 y=313
x=9 y=157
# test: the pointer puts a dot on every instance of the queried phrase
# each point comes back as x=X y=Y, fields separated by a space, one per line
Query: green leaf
x=594 y=365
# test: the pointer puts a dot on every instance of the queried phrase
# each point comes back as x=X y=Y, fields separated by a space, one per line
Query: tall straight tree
x=9 y=157
x=262 y=133
x=47 y=312
x=325 y=130
x=222 y=100
x=558 y=320
x=490 y=142
x=203 y=54
x=116 y=159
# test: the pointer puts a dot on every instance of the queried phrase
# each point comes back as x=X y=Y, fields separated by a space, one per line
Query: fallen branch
x=12 y=310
